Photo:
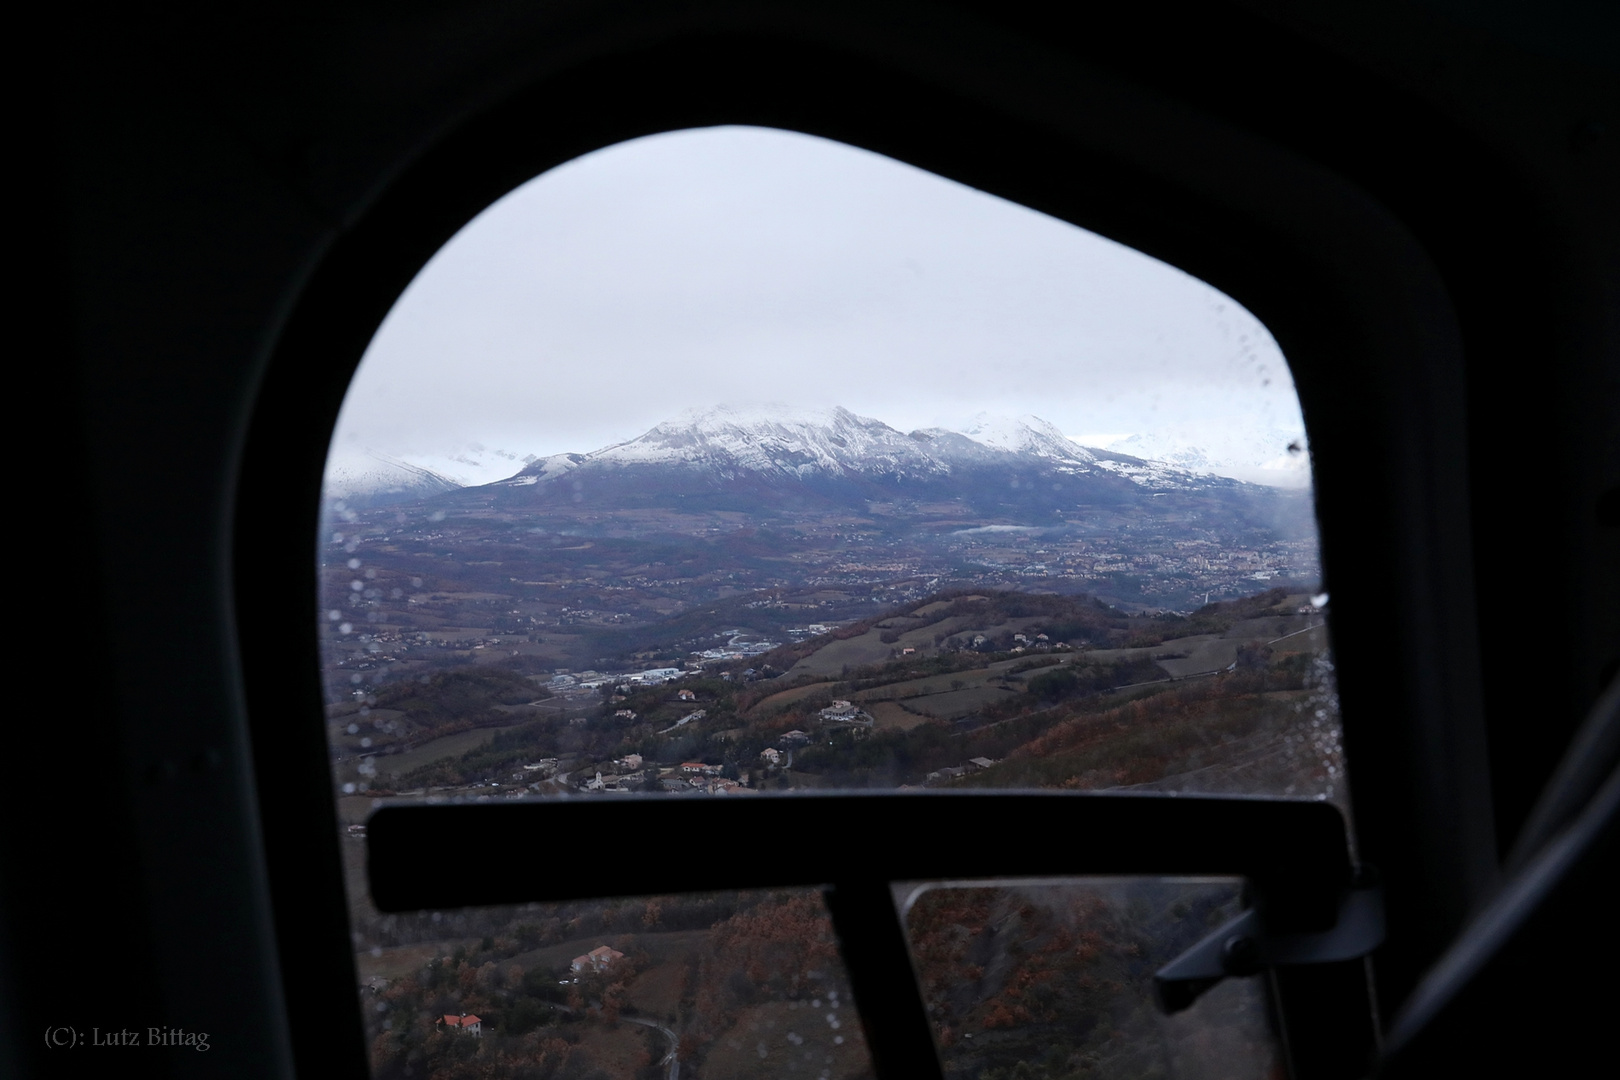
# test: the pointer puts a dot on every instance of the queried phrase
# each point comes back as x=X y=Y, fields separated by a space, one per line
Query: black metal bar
x=1294 y=854
x=1290 y=850
x=872 y=938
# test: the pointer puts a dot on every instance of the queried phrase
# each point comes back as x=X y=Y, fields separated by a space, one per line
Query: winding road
x=669 y=1058
x=674 y=1071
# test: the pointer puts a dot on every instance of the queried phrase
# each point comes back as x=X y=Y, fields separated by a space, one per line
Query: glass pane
x=729 y=985
x=734 y=461
x=1038 y=980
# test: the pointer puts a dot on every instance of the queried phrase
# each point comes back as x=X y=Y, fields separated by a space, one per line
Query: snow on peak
x=772 y=439
x=805 y=443
x=1024 y=435
x=1275 y=457
x=370 y=476
x=546 y=468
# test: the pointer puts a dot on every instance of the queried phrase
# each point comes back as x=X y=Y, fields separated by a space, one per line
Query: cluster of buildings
x=571 y=682
x=636 y=774
x=971 y=765
x=736 y=649
x=697 y=777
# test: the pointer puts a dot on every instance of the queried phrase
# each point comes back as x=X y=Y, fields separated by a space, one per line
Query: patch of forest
x=705 y=968
x=1050 y=982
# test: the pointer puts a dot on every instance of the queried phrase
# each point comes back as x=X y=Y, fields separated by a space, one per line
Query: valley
x=735 y=605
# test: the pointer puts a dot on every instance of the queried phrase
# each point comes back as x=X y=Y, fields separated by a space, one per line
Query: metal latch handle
x=1244 y=946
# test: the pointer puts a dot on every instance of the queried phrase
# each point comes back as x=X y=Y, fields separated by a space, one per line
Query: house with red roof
x=465 y=1024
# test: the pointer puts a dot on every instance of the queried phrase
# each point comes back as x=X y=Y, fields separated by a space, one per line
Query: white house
x=597 y=960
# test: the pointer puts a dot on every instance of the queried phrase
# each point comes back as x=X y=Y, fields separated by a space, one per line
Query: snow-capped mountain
x=1025 y=435
x=744 y=457
x=368 y=479
x=1273 y=456
x=762 y=455
x=729 y=443
x=775 y=440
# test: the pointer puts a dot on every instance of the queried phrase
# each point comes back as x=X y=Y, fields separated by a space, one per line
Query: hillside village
x=1033 y=615
x=950 y=689
x=956 y=689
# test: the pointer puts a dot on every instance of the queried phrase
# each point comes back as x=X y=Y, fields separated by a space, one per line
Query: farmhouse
x=597 y=960
x=465 y=1024
x=844 y=712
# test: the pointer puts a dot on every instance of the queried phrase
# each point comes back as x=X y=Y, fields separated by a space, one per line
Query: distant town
x=787 y=615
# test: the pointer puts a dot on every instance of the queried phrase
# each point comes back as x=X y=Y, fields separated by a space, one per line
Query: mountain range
x=778 y=458
x=775 y=457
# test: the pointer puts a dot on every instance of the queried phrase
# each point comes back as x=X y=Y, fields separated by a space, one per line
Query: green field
x=955 y=704
x=787 y=697
x=892 y=716
x=392 y=765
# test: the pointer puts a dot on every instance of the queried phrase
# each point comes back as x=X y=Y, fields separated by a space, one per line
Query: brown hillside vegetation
x=1241 y=732
x=727 y=972
x=1047 y=981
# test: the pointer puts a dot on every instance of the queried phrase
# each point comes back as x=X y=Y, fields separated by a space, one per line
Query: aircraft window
x=1054 y=979
x=734 y=461
x=744 y=983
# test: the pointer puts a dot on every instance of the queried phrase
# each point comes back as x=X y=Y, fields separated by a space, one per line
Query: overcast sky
x=743 y=265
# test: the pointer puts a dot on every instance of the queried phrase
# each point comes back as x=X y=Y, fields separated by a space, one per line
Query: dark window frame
x=1356 y=302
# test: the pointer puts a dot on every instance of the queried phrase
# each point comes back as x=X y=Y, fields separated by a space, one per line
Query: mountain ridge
x=764 y=457
x=784 y=443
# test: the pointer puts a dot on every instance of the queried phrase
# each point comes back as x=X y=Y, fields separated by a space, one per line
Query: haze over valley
x=751 y=508
x=744 y=601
